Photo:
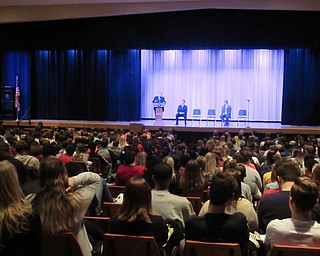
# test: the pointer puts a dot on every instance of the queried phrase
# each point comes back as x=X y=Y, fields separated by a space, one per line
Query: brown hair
x=137 y=201
x=57 y=208
x=304 y=193
x=192 y=178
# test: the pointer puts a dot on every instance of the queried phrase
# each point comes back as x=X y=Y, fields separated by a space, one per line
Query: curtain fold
x=301 y=89
x=87 y=84
x=17 y=64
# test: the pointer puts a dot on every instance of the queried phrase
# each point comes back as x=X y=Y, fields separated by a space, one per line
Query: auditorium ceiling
x=12 y=11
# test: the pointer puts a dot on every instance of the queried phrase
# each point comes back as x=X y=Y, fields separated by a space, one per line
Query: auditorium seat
x=196 y=248
x=196 y=114
x=116 y=190
x=211 y=116
x=64 y=244
x=100 y=222
x=242 y=115
x=286 y=250
x=96 y=165
x=196 y=203
x=120 y=245
x=110 y=209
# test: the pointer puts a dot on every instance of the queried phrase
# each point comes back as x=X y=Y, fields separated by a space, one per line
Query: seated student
x=165 y=204
x=20 y=227
x=192 y=181
x=300 y=229
x=276 y=205
x=216 y=225
x=135 y=216
x=239 y=203
x=67 y=157
x=128 y=168
x=62 y=202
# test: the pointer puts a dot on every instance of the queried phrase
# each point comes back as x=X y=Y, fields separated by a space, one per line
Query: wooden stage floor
x=196 y=126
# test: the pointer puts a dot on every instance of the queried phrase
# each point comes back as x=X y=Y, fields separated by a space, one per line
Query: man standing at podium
x=159 y=101
x=182 y=111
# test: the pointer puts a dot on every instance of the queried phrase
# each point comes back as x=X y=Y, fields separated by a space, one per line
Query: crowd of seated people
x=256 y=176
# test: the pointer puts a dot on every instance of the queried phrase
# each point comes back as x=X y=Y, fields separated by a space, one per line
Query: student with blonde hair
x=20 y=227
x=211 y=167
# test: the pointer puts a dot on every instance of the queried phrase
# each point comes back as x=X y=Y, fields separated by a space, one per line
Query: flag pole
x=17 y=96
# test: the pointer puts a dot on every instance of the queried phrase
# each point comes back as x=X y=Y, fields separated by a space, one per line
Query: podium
x=158 y=111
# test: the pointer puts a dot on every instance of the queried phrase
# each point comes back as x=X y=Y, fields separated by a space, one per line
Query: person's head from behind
x=127 y=157
x=304 y=195
x=309 y=163
x=223 y=188
x=13 y=211
x=243 y=172
x=244 y=156
x=52 y=173
x=162 y=175
x=70 y=149
x=210 y=163
x=316 y=175
x=287 y=171
x=237 y=175
x=192 y=178
x=53 y=202
x=137 y=201
x=104 y=143
x=270 y=159
x=141 y=158
x=48 y=149
x=10 y=191
x=202 y=162
x=170 y=161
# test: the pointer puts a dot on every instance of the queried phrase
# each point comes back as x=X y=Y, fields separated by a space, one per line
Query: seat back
x=96 y=165
x=64 y=244
x=116 y=190
x=196 y=248
x=119 y=245
x=110 y=209
x=196 y=203
x=197 y=112
x=286 y=250
x=211 y=113
x=242 y=113
x=100 y=222
x=82 y=165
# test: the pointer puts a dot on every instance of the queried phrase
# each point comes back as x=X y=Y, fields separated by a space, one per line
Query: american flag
x=17 y=96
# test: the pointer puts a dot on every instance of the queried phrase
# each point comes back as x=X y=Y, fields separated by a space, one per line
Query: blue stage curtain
x=18 y=64
x=301 y=90
x=87 y=84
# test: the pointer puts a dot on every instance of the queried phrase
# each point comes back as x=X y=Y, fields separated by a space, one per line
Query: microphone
x=248 y=100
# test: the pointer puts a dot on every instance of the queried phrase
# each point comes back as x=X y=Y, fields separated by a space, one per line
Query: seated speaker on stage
x=159 y=101
x=182 y=111
x=225 y=113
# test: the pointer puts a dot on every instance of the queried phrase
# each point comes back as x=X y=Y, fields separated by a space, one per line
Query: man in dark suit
x=182 y=111
x=159 y=100
x=225 y=113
